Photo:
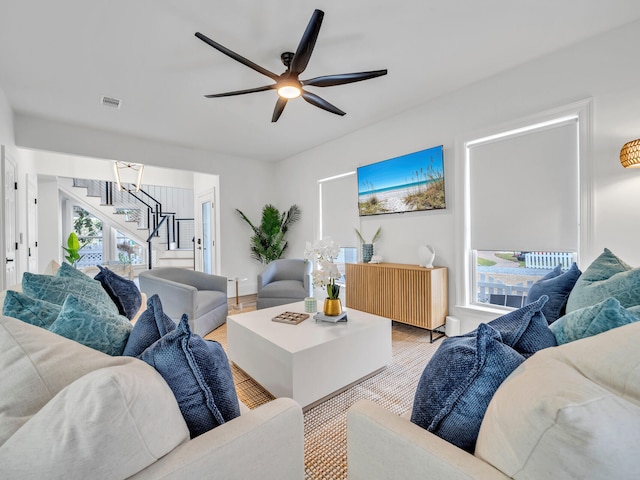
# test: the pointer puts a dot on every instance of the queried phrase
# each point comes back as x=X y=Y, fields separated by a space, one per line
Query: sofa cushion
x=36 y=364
x=123 y=292
x=210 y=299
x=55 y=289
x=83 y=322
x=592 y=320
x=152 y=325
x=608 y=276
x=199 y=374
x=569 y=412
x=526 y=329
x=284 y=289
x=31 y=310
x=458 y=383
x=111 y=423
x=557 y=285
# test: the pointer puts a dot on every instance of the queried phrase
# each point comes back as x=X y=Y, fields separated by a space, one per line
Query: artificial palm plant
x=267 y=242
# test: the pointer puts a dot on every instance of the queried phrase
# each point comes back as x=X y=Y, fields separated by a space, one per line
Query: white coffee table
x=311 y=360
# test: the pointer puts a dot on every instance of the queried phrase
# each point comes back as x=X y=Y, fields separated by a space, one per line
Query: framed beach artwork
x=409 y=183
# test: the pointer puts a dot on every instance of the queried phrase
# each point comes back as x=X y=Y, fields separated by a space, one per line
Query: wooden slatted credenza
x=408 y=294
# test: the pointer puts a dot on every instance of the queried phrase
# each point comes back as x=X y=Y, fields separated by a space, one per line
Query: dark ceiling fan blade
x=343 y=78
x=280 y=104
x=307 y=42
x=314 y=99
x=237 y=57
x=242 y=92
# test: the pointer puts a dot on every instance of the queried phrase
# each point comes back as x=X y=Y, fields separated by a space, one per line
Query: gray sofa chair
x=286 y=280
x=201 y=296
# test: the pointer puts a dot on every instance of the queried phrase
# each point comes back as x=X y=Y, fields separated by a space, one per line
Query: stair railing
x=156 y=217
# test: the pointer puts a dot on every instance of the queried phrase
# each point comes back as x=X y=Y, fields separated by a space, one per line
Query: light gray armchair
x=201 y=296
x=286 y=280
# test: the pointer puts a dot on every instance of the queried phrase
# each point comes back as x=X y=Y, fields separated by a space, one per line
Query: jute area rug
x=325 y=425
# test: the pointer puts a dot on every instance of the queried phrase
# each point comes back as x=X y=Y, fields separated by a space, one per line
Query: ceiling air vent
x=110 y=102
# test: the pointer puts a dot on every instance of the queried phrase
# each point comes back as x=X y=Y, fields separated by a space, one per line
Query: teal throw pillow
x=592 y=320
x=199 y=374
x=83 y=322
x=30 y=310
x=458 y=383
x=123 y=292
x=55 y=289
x=557 y=285
x=151 y=326
x=68 y=271
x=608 y=276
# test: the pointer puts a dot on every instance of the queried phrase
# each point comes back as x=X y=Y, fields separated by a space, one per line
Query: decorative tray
x=292 y=318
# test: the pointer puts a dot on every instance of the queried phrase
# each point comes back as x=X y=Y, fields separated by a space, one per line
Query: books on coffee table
x=321 y=317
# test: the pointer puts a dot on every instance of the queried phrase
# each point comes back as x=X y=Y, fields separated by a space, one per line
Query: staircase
x=139 y=216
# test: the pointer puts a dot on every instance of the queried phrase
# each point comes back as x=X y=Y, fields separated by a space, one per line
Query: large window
x=523 y=207
x=102 y=244
x=89 y=231
x=503 y=277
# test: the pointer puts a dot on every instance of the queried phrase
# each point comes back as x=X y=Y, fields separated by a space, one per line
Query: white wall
x=23 y=167
x=601 y=68
x=6 y=121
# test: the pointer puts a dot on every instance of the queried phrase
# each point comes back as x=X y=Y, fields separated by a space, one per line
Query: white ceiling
x=58 y=57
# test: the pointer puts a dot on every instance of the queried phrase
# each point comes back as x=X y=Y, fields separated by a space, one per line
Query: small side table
x=238 y=305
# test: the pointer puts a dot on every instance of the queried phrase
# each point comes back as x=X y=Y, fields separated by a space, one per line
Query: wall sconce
x=630 y=154
x=125 y=171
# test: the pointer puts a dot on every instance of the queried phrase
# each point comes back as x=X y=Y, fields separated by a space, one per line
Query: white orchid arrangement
x=324 y=252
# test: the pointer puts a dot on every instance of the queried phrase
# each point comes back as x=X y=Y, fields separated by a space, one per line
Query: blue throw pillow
x=526 y=330
x=30 y=310
x=83 y=322
x=557 y=285
x=458 y=383
x=123 y=292
x=592 y=320
x=55 y=289
x=151 y=326
x=608 y=276
x=67 y=270
x=199 y=374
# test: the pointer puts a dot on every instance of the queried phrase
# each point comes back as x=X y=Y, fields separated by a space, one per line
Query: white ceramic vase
x=426 y=253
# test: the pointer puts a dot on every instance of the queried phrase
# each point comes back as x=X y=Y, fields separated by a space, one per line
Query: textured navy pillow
x=123 y=292
x=458 y=383
x=30 y=310
x=199 y=374
x=152 y=325
x=589 y=321
x=526 y=330
x=557 y=285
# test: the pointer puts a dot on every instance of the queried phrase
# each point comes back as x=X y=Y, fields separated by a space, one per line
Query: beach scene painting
x=408 y=183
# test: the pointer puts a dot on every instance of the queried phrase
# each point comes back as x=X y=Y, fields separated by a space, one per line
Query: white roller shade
x=339 y=209
x=524 y=191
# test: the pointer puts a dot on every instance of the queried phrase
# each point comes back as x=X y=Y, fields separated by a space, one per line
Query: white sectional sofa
x=570 y=412
x=68 y=411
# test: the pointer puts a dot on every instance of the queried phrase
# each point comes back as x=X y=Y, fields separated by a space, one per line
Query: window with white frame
x=338 y=200
x=523 y=206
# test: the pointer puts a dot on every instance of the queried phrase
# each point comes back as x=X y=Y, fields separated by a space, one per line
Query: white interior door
x=9 y=220
x=206 y=233
x=32 y=223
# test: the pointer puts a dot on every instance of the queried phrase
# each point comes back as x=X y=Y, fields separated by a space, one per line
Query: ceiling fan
x=288 y=85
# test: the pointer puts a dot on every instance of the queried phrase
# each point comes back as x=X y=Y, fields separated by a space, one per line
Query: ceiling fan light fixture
x=289 y=91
